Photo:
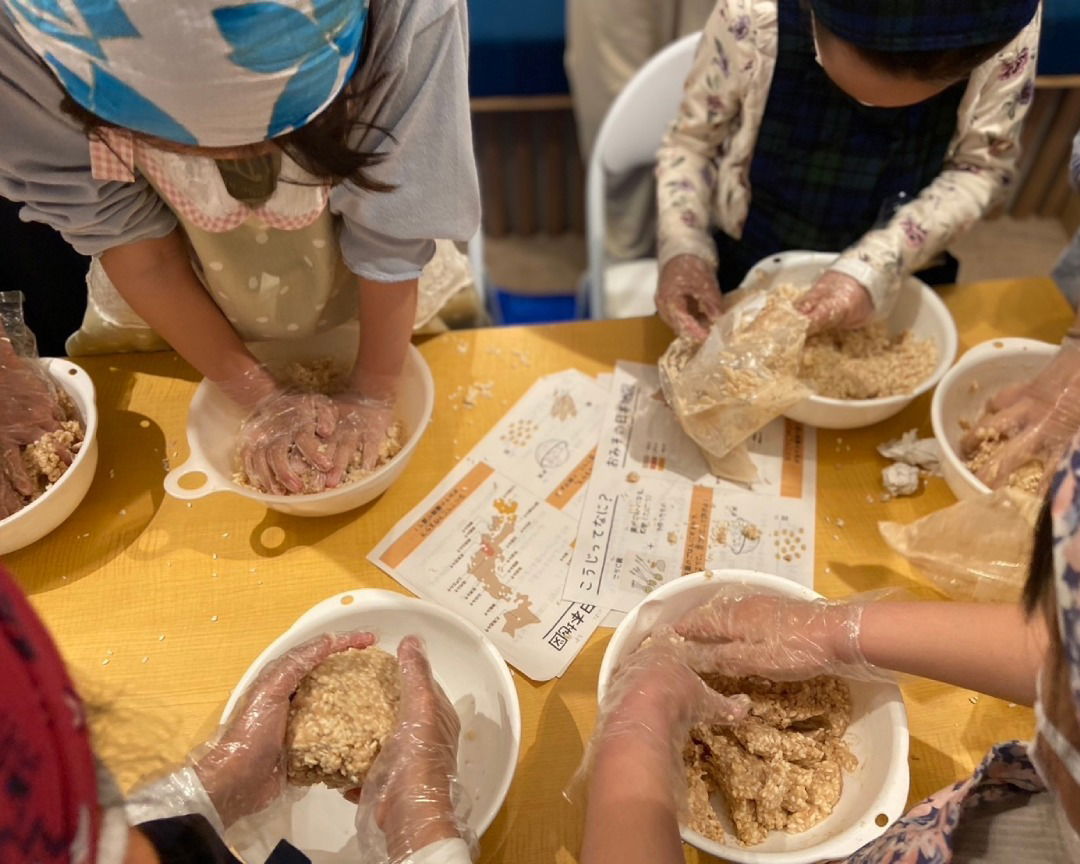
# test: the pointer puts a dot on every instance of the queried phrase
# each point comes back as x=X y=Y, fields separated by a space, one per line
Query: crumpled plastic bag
x=910 y=449
x=978 y=549
x=744 y=375
x=900 y=479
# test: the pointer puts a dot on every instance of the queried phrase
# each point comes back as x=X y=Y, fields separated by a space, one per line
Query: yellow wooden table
x=159 y=606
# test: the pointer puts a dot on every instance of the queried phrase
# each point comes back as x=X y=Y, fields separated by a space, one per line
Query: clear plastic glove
x=29 y=408
x=688 y=296
x=286 y=444
x=836 y=302
x=654 y=699
x=411 y=797
x=1037 y=419
x=15 y=485
x=362 y=426
x=243 y=771
x=745 y=632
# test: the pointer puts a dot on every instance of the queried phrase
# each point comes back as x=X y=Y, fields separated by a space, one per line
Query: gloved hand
x=836 y=302
x=29 y=408
x=688 y=296
x=243 y=770
x=248 y=388
x=653 y=701
x=362 y=425
x=742 y=631
x=288 y=439
x=1037 y=419
x=411 y=798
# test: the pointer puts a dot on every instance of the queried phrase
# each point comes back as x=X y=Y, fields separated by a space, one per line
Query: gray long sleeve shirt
x=415 y=71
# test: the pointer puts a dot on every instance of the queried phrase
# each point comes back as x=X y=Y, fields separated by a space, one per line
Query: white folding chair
x=629 y=138
x=478 y=265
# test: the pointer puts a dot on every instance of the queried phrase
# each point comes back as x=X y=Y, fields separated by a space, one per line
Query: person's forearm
x=992 y=648
x=156 y=280
x=631 y=815
x=387 y=313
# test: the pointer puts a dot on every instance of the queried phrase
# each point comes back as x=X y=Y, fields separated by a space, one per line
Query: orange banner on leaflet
x=696 y=550
x=574 y=482
x=791 y=474
x=422 y=528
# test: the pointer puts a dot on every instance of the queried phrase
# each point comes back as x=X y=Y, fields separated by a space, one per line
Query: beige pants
x=607 y=41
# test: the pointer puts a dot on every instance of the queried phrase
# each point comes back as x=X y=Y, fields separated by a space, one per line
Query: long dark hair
x=1040 y=581
x=331 y=146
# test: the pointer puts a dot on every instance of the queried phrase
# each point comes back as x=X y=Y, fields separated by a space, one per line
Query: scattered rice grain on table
x=866 y=363
x=340 y=717
x=779 y=770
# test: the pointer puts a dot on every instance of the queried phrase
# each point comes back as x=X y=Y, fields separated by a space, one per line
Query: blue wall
x=1059 y=53
x=517 y=45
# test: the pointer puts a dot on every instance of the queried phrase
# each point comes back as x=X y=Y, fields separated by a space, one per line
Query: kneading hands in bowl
x=30 y=408
x=70 y=810
x=637 y=781
x=688 y=299
x=295 y=442
x=409 y=801
x=1035 y=419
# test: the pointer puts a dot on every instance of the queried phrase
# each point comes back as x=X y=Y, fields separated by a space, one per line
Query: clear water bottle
x=11 y=316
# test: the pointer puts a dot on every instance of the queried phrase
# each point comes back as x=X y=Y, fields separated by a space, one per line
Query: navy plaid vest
x=825 y=168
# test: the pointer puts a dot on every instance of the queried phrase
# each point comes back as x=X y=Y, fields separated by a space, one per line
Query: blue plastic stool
x=509 y=308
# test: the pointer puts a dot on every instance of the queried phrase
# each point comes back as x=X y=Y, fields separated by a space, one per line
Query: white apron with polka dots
x=275 y=271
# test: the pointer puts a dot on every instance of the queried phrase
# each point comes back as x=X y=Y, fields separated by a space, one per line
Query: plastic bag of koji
x=740 y=378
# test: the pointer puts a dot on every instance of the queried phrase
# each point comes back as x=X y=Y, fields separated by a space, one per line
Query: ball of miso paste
x=341 y=714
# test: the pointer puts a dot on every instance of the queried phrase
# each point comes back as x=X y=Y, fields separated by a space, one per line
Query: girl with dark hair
x=246 y=171
x=1021 y=804
x=878 y=130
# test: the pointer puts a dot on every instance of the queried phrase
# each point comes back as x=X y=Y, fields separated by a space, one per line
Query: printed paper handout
x=654 y=512
x=493 y=541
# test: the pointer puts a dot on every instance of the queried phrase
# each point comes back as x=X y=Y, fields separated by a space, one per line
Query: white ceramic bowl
x=963 y=394
x=39 y=517
x=213 y=422
x=918 y=308
x=875 y=793
x=469 y=669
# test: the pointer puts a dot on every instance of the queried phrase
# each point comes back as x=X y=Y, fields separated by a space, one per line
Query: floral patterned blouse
x=703 y=165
